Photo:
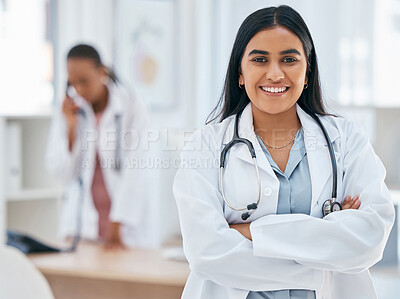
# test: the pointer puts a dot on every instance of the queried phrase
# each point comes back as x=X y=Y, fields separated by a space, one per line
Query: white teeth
x=274 y=89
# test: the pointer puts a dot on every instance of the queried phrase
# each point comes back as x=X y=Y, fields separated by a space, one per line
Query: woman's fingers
x=356 y=204
x=70 y=105
x=346 y=204
x=351 y=203
x=70 y=110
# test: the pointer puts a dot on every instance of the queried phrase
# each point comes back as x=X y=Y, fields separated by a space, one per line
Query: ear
x=104 y=70
x=241 y=80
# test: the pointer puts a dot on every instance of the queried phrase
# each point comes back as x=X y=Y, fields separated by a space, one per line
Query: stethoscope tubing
x=77 y=236
x=221 y=186
x=331 y=154
x=236 y=139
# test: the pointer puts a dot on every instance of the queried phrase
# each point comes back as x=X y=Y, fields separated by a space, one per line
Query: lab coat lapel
x=246 y=130
x=317 y=153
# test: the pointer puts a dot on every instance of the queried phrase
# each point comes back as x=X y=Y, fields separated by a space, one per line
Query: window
x=26 y=56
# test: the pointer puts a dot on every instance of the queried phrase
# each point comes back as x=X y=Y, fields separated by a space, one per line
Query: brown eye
x=260 y=59
x=289 y=59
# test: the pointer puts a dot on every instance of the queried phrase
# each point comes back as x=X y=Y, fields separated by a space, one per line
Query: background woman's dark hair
x=89 y=52
x=235 y=99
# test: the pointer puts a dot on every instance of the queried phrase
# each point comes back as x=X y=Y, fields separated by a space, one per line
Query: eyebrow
x=289 y=51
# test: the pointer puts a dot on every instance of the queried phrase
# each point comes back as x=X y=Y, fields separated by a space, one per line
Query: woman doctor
x=86 y=149
x=284 y=248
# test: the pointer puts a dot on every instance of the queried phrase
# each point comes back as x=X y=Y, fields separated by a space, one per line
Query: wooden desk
x=92 y=272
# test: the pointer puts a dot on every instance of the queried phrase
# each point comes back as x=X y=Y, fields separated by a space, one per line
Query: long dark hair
x=235 y=99
x=88 y=52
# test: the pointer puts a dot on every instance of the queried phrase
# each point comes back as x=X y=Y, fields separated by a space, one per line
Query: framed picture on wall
x=145 y=52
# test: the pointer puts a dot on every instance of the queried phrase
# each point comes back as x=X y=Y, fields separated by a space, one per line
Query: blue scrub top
x=294 y=197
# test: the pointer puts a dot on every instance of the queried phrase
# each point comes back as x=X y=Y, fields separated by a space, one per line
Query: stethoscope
x=71 y=92
x=329 y=206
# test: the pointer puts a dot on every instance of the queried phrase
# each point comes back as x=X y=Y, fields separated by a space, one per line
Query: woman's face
x=86 y=78
x=273 y=70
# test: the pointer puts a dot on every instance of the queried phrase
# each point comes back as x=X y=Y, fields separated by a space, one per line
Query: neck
x=101 y=103
x=276 y=128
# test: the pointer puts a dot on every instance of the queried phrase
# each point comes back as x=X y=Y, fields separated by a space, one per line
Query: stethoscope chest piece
x=330 y=206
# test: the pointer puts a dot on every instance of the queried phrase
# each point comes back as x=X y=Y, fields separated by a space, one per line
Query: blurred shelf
x=33 y=194
x=39 y=113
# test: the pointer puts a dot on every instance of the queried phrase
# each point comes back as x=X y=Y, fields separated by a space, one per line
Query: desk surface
x=131 y=265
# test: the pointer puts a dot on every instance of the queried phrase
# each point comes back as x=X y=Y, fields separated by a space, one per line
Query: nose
x=274 y=72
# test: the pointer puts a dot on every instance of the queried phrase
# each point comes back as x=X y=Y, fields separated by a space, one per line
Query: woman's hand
x=351 y=203
x=70 y=110
x=113 y=239
x=243 y=228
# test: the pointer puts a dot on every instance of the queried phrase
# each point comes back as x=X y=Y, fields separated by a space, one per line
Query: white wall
x=388 y=143
x=2 y=182
x=89 y=21
x=183 y=116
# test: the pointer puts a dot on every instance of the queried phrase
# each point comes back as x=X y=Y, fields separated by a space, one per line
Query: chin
x=273 y=109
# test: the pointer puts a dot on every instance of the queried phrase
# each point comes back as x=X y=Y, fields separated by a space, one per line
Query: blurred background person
x=85 y=152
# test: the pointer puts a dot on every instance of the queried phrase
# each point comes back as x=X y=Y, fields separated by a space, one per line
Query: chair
x=19 y=279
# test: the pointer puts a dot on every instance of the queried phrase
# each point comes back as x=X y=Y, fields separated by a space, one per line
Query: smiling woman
x=275 y=76
x=321 y=214
x=273 y=72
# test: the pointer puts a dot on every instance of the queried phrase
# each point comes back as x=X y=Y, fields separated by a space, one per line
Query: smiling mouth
x=275 y=90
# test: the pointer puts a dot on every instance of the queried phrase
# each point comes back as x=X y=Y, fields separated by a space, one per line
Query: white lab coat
x=294 y=251
x=126 y=188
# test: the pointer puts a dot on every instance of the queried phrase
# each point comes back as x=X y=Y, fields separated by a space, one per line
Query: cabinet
x=29 y=196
